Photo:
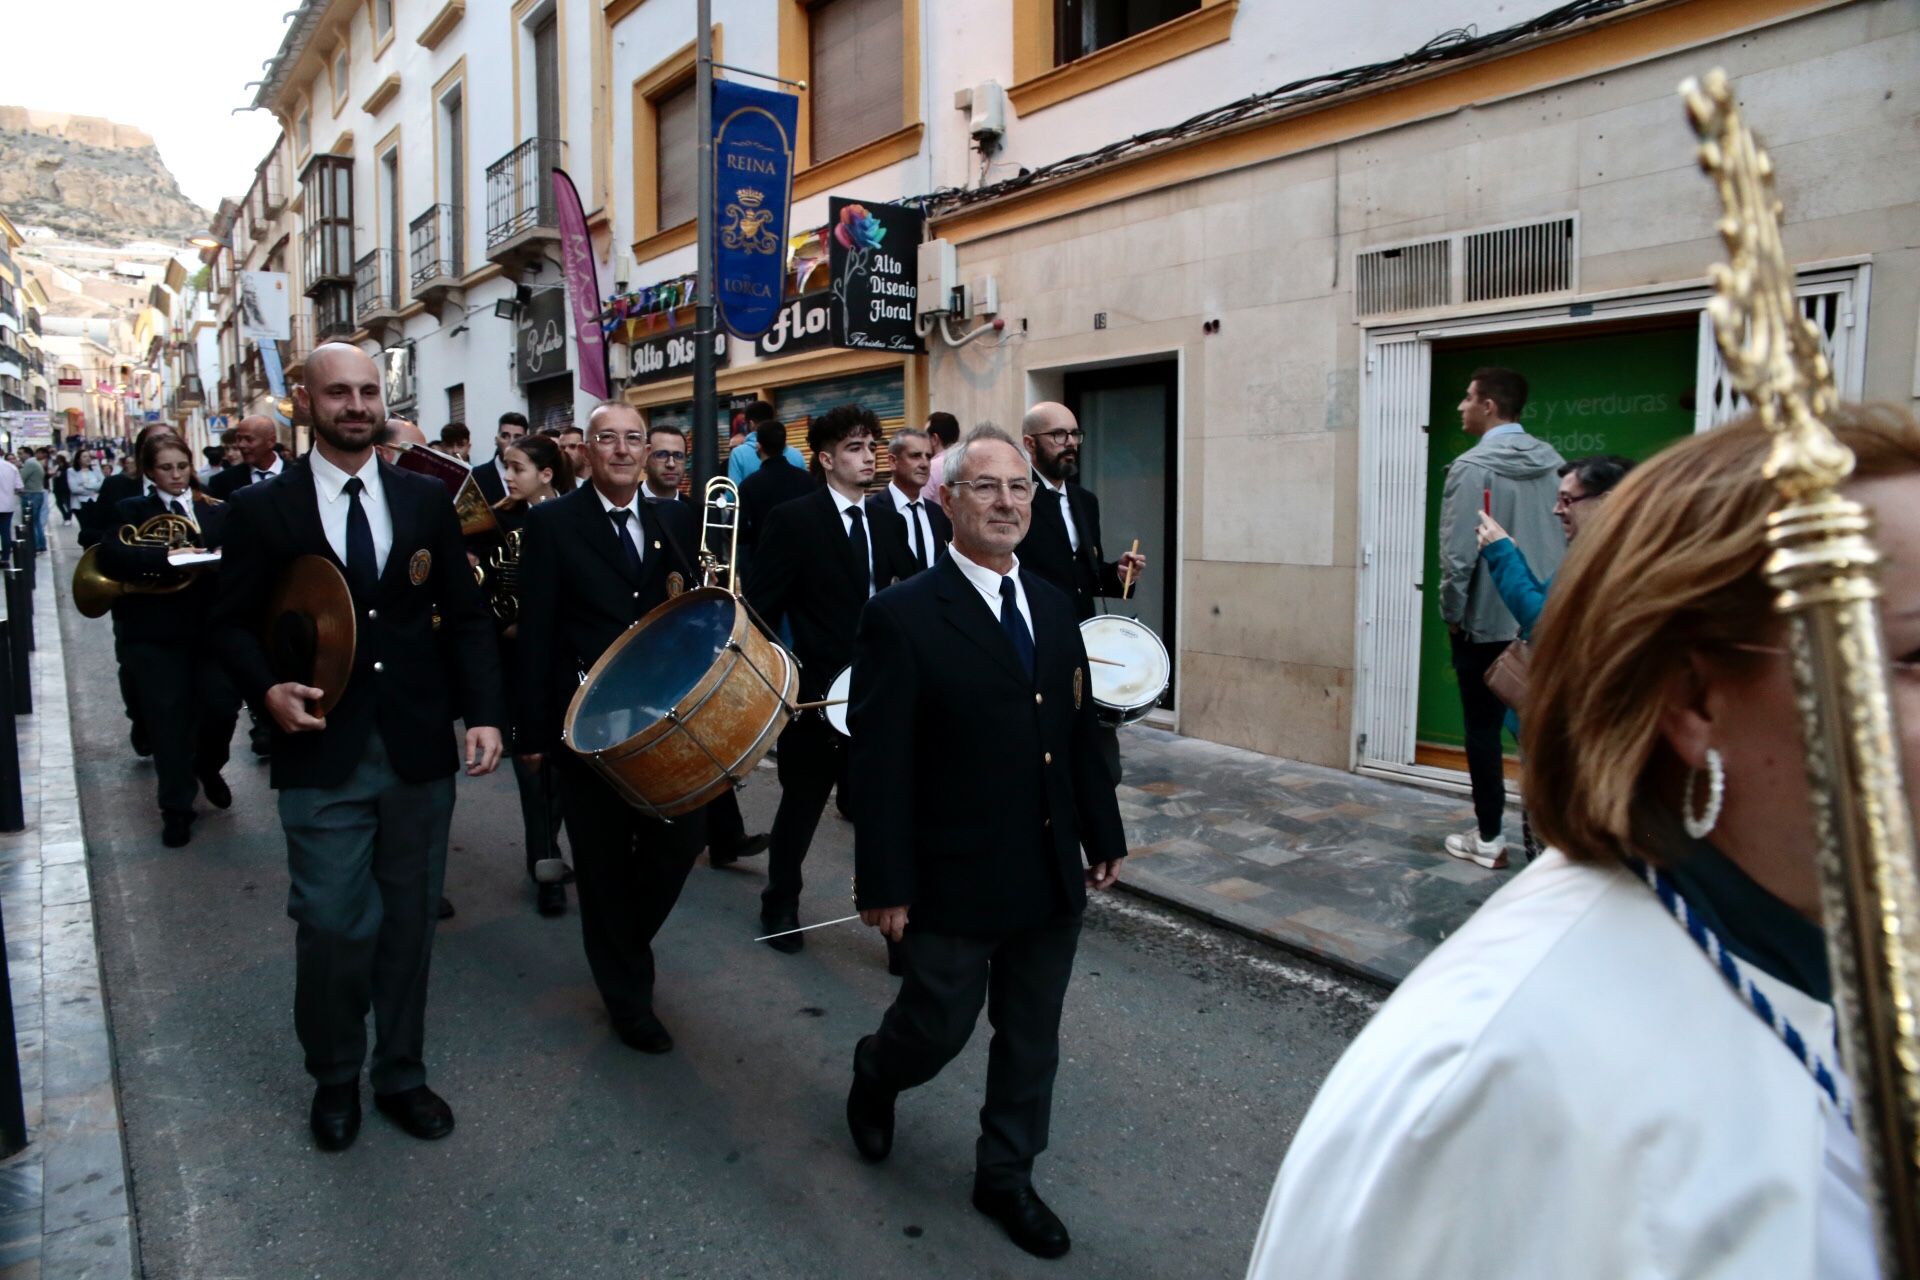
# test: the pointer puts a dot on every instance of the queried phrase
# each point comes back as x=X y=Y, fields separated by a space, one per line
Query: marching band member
x=366 y=791
x=921 y=523
x=1063 y=544
x=591 y=565
x=536 y=470
x=980 y=878
x=1624 y=1064
x=185 y=700
x=816 y=565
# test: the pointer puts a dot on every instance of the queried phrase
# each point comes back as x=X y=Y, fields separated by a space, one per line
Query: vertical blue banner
x=753 y=131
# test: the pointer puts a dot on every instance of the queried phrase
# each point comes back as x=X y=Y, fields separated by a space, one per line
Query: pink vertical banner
x=583 y=286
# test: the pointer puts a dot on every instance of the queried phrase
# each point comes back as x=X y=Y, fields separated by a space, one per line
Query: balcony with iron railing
x=376 y=293
x=520 y=206
x=191 y=395
x=10 y=354
x=436 y=253
x=299 y=344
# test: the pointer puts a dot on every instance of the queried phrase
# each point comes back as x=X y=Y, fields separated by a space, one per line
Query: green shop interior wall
x=1624 y=393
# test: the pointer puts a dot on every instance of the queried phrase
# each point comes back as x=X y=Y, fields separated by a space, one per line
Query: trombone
x=720 y=513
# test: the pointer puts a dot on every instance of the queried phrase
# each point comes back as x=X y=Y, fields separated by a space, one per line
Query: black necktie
x=621 y=516
x=913 y=519
x=361 y=572
x=177 y=508
x=1016 y=626
x=857 y=535
x=259 y=475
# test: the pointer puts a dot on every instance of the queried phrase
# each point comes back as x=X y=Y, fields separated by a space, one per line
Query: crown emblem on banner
x=750 y=197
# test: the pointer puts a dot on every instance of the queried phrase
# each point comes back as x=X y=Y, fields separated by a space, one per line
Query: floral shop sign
x=873 y=255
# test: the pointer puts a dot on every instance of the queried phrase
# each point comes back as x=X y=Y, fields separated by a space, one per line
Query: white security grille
x=1393 y=546
x=1829 y=303
x=1525 y=260
x=1408 y=277
x=1517 y=262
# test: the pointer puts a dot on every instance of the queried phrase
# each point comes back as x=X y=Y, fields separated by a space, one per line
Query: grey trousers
x=368 y=860
x=1021 y=977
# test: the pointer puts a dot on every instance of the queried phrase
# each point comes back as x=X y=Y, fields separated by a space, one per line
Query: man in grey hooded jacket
x=1518 y=475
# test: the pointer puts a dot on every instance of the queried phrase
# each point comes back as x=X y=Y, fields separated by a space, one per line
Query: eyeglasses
x=669 y=455
x=1020 y=491
x=634 y=440
x=1564 y=501
x=1061 y=438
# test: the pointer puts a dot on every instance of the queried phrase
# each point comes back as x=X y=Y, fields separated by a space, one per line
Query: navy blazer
x=176 y=617
x=1047 y=552
x=978 y=787
x=407 y=682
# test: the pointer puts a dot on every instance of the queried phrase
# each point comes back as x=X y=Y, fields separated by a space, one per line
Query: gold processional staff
x=1825 y=568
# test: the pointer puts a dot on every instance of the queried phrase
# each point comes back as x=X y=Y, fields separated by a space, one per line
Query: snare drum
x=1134 y=671
x=684 y=704
x=838 y=694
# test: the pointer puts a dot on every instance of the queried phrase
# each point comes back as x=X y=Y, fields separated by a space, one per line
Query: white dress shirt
x=987 y=582
x=845 y=505
x=1059 y=491
x=257 y=474
x=635 y=529
x=329 y=484
x=912 y=515
x=167 y=500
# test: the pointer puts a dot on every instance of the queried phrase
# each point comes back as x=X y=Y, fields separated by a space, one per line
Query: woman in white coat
x=1624 y=1065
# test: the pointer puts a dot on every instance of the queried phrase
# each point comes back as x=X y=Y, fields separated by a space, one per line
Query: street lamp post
x=706 y=448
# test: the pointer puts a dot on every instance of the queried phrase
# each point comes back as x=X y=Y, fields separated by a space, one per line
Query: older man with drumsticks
x=975 y=868
x=592 y=564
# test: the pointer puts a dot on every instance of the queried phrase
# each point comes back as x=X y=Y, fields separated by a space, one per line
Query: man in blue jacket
x=1511 y=476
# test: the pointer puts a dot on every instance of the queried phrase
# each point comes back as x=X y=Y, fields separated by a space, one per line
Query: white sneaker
x=1491 y=854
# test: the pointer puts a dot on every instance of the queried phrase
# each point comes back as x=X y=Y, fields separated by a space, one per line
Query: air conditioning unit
x=619 y=361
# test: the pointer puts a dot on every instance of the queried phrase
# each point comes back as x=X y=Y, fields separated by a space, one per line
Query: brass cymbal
x=311 y=630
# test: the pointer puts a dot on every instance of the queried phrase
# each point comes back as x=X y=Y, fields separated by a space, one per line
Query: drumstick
x=1105 y=662
x=1127 y=589
x=803 y=928
x=815 y=706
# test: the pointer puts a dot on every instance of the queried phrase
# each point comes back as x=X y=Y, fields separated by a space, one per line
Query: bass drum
x=1131 y=670
x=684 y=705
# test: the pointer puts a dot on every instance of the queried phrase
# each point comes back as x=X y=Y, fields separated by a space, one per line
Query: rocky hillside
x=90 y=179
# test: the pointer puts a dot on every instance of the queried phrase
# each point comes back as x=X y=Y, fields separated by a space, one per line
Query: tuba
x=1824 y=569
x=94 y=592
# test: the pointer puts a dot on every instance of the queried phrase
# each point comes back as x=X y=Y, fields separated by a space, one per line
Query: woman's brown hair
x=545 y=455
x=1673 y=567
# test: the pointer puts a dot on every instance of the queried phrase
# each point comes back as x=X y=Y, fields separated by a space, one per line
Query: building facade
x=1257 y=248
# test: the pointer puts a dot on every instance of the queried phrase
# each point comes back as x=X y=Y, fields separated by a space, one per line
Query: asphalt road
x=1189 y=1057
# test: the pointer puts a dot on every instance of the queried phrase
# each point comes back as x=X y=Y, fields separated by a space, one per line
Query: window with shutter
x=1082 y=27
x=676 y=169
x=856 y=84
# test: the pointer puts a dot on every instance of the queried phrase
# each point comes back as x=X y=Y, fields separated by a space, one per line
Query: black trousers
x=128 y=698
x=628 y=871
x=1485 y=716
x=1021 y=977
x=810 y=761
x=725 y=827
x=188 y=707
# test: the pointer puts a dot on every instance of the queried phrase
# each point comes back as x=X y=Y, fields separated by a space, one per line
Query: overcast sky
x=171 y=67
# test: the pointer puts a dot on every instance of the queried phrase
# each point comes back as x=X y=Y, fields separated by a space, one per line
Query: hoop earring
x=1700 y=827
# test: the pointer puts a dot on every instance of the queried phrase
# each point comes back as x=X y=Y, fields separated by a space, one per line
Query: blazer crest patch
x=419 y=567
x=675 y=584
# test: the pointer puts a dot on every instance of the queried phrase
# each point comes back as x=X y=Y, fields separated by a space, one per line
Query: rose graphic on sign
x=859 y=233
x=874 y=293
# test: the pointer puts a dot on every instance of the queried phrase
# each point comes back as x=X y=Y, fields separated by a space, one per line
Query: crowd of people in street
x=1613 y=617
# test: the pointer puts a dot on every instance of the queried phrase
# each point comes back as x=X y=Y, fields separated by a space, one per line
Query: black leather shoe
x=747 y=847
x=896 y=959
x=175 y=829
x=335 y=1118
x=141 y=746
x=551 y=898
x=260 y=740
x=780 y=922
x=419 y=1110
x=648 y=1035
x=869 y=1116
x=218 y=793
x=446 y=908
x=1026 y=1220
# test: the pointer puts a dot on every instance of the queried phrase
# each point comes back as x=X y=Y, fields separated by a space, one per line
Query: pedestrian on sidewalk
x=1511 y=476
x=182 y=695
x=981 y=784
x=33 y=490
x=57 y=481
x=1639 y=1029
x=366 y=791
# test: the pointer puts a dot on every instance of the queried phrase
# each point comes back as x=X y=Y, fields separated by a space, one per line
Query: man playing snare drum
x=591 y=565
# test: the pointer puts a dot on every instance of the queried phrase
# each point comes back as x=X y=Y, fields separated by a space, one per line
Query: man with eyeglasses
x=816 y=564
x=592 y=563
x=666 y=463
x=976 y=870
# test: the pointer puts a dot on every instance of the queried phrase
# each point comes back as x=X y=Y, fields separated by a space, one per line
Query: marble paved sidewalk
x=63 y=1200
x=1344 y=868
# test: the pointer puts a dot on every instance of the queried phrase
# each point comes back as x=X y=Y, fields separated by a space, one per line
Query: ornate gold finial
x=1772 y=351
